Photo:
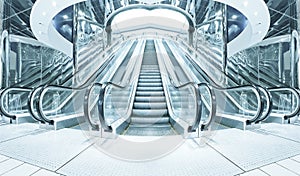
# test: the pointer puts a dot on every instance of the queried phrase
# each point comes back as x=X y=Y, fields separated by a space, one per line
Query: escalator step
x=149 y=74
x=149 y=120
x=150 y=99
x=143 y=105
x=150 y=77
x=150 y=84
x=149 y=112
x=150 y=88
x=150 y=131
x=149 y=80
x=150 y=93
x=156 y=125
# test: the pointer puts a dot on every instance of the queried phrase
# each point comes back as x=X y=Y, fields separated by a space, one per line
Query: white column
x=298 y=14
x=1 y=15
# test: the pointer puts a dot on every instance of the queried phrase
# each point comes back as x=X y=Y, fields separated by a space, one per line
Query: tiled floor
x=272 y=150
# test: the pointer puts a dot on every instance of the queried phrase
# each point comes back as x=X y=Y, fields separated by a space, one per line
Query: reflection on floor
x=272 y=149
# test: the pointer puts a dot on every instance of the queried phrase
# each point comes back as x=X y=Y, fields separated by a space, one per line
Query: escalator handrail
x=102 y=93
x=4 y=92
x=197 y=120
x=255 y=89
x=86 y=109
x=269 y=103
x=296 y=94
x=216 y=86
x=86 y=99
x=81 y=87
x=43 y=91
x=32 y=95
x=100 y=105
x=213 y=105
x=30 y=103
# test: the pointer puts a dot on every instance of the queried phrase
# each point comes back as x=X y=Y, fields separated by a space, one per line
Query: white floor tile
x=277 y=170
x=45 y=173
x=290 y=165
x=255 y=172
x=296 y=158
x=3 y=158
x=8 y=165
x=24 y=170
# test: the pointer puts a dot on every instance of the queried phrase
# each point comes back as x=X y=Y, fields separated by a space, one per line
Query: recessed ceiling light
x=44 y=13
x=246 y=3
x=255 y=13
x=54 y=3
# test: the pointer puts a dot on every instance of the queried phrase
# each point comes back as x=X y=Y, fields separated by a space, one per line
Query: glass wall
x=90 y=38
x=210 y=32
x=266 y=64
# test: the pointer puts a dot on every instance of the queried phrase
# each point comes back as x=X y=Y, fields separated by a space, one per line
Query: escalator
x=150 y=115
x=238 y=101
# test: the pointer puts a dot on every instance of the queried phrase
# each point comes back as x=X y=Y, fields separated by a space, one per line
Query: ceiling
x=17 y=15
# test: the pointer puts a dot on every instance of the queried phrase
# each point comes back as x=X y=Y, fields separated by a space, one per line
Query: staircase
x=150 y=114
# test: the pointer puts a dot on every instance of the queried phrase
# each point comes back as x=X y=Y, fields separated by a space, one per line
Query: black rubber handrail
x=83 y=86
x=195 y=125
x=4 y=92
x=256 y=91
x=260 y=90
x=197 y=120
x=296 y=94
x=30 y=103
x=268 y=101
x=35 y=91
x=100 y=103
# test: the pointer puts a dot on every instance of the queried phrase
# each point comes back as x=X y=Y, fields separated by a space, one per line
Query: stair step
x=150 y=84
x=149 y=120
x=150 y=112
x=150 y=88
x=150 y=93
x=143 y=105
x=150 y=99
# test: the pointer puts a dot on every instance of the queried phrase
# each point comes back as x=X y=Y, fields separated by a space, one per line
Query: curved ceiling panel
x=42 y=13
x=236 y=23
x=246 y=26
x=257 y=13
x=63 y=23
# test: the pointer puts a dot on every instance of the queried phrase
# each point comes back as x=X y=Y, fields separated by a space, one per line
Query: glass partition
x=268 y=65
x=211 y=31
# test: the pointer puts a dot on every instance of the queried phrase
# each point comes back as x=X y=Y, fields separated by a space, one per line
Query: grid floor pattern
x=274 y=149
x=252 y=149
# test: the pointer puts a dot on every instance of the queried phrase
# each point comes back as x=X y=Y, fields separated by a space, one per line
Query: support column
x=1 y=15
x=191 y=35
x=280 y=63
x=108 y=34
x=298 y=14
x=225 y=34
